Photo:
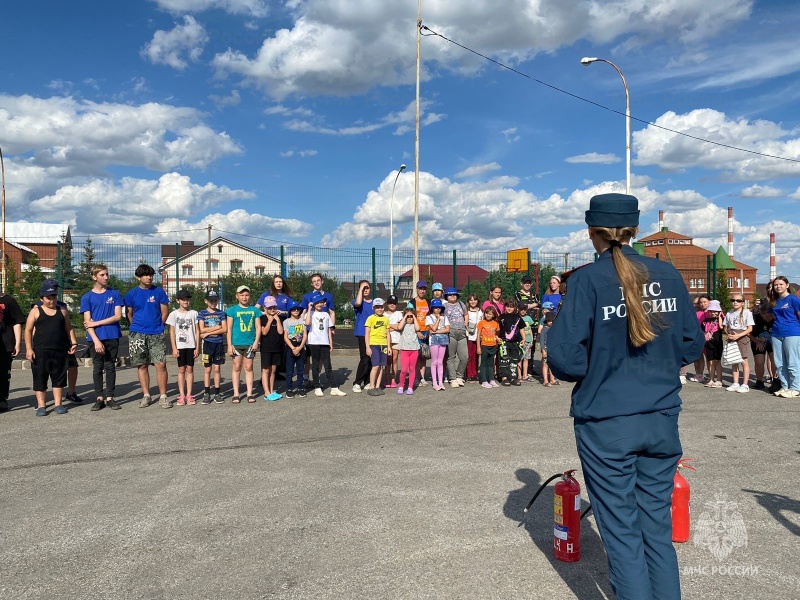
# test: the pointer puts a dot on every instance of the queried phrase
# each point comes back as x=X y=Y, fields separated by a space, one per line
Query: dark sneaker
x=775 y=386
x=99 y=405
x=373 y=392
x=218 y=399
x=113 y=404
x=41 y=411
x=759 y=385
x=301 y=393
x=290 y=393
x=60 y=409
x=206 y=398
x=74 y=398
x=3 y=406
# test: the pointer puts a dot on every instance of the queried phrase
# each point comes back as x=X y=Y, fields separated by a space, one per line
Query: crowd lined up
x=434 y=340
x=771 y=334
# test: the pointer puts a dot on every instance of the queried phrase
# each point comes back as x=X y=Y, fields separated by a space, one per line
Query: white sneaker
x=781 y=393
x=791 y=394
x=337 y=392
x=734 y=387
x=356 y=388
x=454 y=383
x=460 y=382
x=423 y=383
x=318 y=392
x=743 y=389
x=367 y=387
x=683 y=380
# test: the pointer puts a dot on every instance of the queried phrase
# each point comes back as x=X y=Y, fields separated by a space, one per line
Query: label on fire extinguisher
x=578 y=503
x=560 y=532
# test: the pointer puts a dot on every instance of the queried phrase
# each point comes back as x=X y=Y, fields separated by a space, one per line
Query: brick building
x=692 y=263
x=41 y=239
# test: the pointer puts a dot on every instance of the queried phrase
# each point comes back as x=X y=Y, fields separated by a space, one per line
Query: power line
x=597 y=104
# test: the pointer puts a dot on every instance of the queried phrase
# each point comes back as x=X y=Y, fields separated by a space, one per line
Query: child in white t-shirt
x=738 y=325
x=184 y=333
x=320 y=344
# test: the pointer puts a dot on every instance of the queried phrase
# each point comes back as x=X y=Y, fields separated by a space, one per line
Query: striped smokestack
x=773 y=270
x=730 y=231
x=661 y=220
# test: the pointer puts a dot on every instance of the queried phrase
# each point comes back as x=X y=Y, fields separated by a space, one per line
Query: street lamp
x=586 y=61
x=3 y=233
x=391 y=232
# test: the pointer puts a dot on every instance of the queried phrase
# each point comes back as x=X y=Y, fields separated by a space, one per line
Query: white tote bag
x=731 y=355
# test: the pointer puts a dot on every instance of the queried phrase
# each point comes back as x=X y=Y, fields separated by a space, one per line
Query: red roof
x=444 y=274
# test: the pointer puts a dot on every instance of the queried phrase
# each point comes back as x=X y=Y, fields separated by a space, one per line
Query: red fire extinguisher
x=681 y=525
x=567 y=519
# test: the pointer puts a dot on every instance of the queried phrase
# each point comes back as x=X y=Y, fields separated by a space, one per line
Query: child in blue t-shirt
x=102 y=310
x=213 y=325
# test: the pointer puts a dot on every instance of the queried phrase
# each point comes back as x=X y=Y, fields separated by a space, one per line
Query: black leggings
x=321 y=354
x=104 y=363
x=364 y=364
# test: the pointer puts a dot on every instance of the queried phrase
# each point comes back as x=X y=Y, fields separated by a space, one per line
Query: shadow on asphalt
x=779 y=506
x=587 y=578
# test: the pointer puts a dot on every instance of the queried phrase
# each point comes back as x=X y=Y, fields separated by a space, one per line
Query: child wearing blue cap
x=623 y=332
x=49 y=339
x=320 y=343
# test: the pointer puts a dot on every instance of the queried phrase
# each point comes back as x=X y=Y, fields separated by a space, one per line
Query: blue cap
x=548 y=305
x=291 y=305
x=613 y=210
x=451 y=291
x=436 y=303
x=422 y=284
x=48 y=288
x=316 y=297
x=437 y=286
x=212 y=295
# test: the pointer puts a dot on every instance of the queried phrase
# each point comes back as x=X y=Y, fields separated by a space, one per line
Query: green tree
x=723 y=294
x=30 y=281
x=64 y=266
x=12 y=281
x=83 y=282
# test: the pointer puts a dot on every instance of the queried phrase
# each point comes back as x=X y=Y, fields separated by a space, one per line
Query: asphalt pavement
x=366 y=497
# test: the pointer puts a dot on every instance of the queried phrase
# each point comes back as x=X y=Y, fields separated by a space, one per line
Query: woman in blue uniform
x=626 y=327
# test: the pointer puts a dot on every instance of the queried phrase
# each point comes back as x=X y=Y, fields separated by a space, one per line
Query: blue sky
x=288 y=120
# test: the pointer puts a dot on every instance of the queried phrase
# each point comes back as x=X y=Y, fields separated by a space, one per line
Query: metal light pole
x=586 y=61
x=391 y=232
x=415 y=268
x=3 y=182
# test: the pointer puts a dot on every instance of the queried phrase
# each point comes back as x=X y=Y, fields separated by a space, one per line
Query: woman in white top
x=738 y=325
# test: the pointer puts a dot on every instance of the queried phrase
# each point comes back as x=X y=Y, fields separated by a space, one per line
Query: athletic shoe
x=486 y=384
x=206 y=398
x=41 y=411
x=112 y=404
x=494 y=383
x=460 y=381
x=146 y=401
x=683 y=380
x=290 y=393
x=410 y=392
x=373 y=393
x=302 y=393
x=734 y=387
x=318 y=392
x=273 y=397
x=60 y=409
x=743 y=389
x=3 y=406
x=454 y=383
x=422 y=383
x=710 y=383
x=337 y=392
x=399 y=390
x=759 y=385
x=164 y=402
x=783 y=393
x=218 y=399
x=356 y=388
x=716 y=384
x=792 y=394
x=99 y=405
x=74 y=398
x=775 y=386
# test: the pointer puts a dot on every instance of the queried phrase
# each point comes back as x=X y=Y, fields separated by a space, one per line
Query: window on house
x=219 y=248
x=730 y=283
x=746 y=282
x=260 y=270
x=236 y=266
x=693 y=283
x=214 y=266
x=186 y=270
x=701 y=282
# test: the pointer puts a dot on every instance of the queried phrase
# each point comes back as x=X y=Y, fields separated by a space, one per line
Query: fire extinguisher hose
x=539 y=491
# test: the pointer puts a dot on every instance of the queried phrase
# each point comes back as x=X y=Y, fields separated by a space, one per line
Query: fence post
x=177 y=268
x=528 y=260
x=283 y=263
x=455 y=270
x=59 y=272
x=374 y=276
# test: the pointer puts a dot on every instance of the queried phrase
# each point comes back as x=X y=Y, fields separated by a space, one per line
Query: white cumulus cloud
x=761 y=191
x=177 y=47
x=253 y=8
x=594 y=158
x=476 y=170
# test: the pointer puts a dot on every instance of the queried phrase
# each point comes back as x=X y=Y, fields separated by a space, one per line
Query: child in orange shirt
x=488 y=330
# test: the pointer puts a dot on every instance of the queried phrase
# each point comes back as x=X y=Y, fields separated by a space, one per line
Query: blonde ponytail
x=632 y=277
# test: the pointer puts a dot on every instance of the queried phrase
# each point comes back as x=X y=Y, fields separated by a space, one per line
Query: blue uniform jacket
x=588 y=342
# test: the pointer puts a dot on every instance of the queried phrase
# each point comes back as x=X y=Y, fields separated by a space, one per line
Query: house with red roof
x=444 y=274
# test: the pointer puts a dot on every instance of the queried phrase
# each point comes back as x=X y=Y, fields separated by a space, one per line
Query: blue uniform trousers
x=629 y=463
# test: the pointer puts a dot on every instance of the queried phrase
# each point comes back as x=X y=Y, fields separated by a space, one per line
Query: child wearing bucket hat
x=458 y=353
x=623 y=332
x=713 y=321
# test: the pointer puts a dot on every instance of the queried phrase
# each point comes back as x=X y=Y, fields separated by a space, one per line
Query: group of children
x=500 y=336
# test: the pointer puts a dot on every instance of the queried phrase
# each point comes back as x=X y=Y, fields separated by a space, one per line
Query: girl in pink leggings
x=439 y=337
x=409 y=349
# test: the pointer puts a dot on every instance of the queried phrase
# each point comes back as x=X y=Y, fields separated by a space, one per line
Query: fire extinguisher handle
x=684 y=464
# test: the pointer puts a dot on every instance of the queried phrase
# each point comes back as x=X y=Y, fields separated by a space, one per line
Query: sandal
x=235 y=400
x=190 y=400
x=251 y=399
x=181 y=401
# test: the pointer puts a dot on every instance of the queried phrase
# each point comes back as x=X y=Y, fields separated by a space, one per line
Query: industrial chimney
x=730 y=231
x=773 y=271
